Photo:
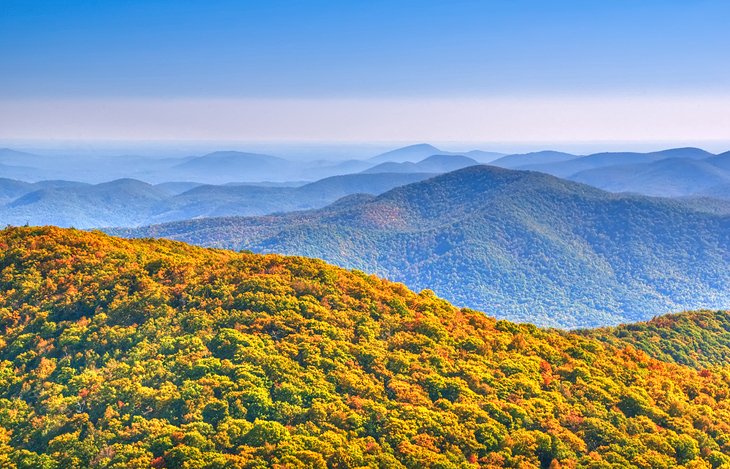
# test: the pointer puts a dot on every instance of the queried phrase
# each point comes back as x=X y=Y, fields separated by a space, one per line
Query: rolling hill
x=177 y=187
x=432 y=164
x=721 y=191
x=421 y=151
x=411 y=153
x=11 y=189
x=207 y=201
x=129 y=202
x=482 y=156
x=722 y=161
x=123 y=202
x=151 y=353
x=573 y=166
x=219 y=167
x=671 y=177
x=19 y=172
x=520 y=245
x=518 y=161
x=229 y=166
x=8 y=156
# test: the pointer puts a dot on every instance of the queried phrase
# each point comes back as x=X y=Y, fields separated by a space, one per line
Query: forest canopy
x=152 y=353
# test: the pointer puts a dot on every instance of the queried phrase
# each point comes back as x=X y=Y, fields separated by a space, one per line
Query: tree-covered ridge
x=140 y=353
x=699 y=339
x=519 y=245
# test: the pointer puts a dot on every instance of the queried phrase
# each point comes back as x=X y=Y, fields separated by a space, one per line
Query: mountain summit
x=412 y=153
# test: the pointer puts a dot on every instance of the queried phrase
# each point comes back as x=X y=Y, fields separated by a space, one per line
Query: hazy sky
x=508 y=70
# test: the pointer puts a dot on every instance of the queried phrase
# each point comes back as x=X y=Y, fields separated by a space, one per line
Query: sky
x=481 y=71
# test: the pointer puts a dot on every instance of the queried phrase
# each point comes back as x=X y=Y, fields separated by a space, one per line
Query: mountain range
x=129 y=202
x=569 y=167
x=151 y=353
x=421 y=151
x=431 y=164
x=677 y=172
x=517 y=244
x=524 y=160
x=674 y=177
x=219 y=167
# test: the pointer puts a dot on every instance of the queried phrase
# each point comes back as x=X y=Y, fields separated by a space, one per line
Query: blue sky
x=368 y=50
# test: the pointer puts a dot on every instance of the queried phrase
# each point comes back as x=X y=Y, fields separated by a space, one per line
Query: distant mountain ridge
x=677 y=172
x=518 y=161
x=411 y=153
x=421 y=151
x=668 y=177
x=123 y=200
x=533 y=246
x=88 y=206
x=231 y=166
x=220 y=165
x=431 y=164
x=598 y=160
x=680 y=172
x=128 y=202
x=8 y=156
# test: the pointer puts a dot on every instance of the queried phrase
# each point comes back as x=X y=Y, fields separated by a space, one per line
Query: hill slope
x=123 y=202
x=228 y=166
x=670 y=177
x=130 y=202
x=601 y=160
x=410 y=153
x=518 y=161
x=532 y=247
x=698 y=339
x=432 y=164
x=119 y=353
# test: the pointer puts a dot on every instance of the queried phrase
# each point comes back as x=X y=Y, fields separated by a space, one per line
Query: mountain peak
x=419 y=147
x=410 y=153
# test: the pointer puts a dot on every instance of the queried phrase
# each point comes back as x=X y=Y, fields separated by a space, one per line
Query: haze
x=405 y=71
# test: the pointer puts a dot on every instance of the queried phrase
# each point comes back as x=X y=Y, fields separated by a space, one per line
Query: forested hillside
x=699 y=339
x=519 y=245
x=141 y=353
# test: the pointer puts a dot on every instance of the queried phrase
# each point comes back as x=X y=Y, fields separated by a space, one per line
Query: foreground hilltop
x=138 y=353
x=520 y=245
